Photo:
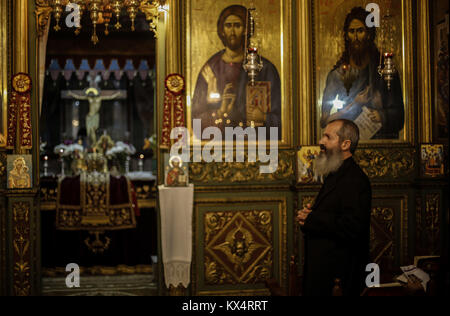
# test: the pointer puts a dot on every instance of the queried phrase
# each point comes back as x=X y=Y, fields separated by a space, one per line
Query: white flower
x=68 y=150
x=58 y=148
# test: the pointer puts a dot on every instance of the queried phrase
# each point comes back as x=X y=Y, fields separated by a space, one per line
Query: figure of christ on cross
x=95 y=98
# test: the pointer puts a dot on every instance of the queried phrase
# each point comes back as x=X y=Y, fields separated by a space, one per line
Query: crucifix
x=95 y=98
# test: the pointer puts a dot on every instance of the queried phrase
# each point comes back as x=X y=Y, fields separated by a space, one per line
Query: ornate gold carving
x=144 y=191
x=48 y=195
x=214 y=271
x=381 y=233
x=175 y=83
x=309 y=199
x=241 y=245
x=43 y=13
x=21 y=83
x=241 y=171
x=391 y=162
x=2 y=169
x=97 y=246
x=21 y=245
x=389 y=231
x=431 y=223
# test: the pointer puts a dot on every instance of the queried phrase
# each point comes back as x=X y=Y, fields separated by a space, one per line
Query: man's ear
x=345 y=146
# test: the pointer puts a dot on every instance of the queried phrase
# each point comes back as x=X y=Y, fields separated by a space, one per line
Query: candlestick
x=61 y=152
x=45 y=166
x=127 y=165
x=141 y=163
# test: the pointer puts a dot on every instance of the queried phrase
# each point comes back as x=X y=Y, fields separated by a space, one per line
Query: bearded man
x=337 y=227
x=220 y=96
x=354 y=84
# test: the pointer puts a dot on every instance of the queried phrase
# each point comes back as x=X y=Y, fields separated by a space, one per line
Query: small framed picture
x=305 y=164
x=19 y=172
x=432 y=161
x=176 y=172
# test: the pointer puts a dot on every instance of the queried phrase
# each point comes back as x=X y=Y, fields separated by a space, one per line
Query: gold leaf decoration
x=238 y=172
x=2 y=169
x=389 y=162
x=238 y=247
x=21 y=245
x=43 y=12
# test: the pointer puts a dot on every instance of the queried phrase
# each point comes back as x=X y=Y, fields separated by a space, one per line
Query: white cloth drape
x=176 y=206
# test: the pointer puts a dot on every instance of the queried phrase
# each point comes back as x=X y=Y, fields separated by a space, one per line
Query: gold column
x=20 y=48
x=20 y=36
x=305 y=101
x=424 y=73
x=173 y=38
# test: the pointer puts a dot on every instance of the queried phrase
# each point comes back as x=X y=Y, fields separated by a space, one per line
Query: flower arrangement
x=69 y=152
x=120 y=152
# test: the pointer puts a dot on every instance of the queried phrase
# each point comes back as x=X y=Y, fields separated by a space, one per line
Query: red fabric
x=137 y=211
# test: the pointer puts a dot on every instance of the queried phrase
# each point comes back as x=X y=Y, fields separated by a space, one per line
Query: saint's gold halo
x=175 y=158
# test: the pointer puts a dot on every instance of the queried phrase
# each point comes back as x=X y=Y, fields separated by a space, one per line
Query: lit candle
x=45 y=165
x=141 y=163
x=61 y=152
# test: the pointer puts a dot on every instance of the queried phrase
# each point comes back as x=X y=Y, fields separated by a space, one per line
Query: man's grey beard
x=328 y=162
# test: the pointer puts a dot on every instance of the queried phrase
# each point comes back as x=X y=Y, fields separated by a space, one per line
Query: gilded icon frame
x=404 y=60
x=4 y=69
x=198 y=36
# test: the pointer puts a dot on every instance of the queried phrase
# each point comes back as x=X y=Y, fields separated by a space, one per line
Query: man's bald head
x=347 y=130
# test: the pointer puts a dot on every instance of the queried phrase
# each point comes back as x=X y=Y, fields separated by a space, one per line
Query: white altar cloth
x=176 y=206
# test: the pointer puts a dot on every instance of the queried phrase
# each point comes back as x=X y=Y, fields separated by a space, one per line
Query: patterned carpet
x=120 y=285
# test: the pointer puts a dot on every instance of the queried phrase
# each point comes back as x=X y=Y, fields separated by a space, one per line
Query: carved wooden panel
x=21 y=248
x=242 y=242
x=428 y=224
x=389 y=232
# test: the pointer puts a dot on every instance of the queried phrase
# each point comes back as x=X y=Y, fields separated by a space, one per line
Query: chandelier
x=105 y=11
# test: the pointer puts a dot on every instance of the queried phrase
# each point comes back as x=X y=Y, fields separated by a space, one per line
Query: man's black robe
x=337 y=233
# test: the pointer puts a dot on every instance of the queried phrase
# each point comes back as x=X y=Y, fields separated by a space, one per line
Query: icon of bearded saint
x=354 y=85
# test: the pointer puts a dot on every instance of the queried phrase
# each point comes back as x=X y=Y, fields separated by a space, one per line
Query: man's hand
x=303 y=215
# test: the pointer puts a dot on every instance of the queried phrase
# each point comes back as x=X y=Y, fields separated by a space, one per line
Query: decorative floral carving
x=431 y=223
x=238 y=247
x=392 y=162
x=21 y=243
x=2 y=169
x=43 y=12
x=238 y=172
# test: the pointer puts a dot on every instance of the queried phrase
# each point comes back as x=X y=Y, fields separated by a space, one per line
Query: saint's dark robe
x=389 y=103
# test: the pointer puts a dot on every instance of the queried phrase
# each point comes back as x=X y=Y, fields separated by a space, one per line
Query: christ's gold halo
x=93 y=90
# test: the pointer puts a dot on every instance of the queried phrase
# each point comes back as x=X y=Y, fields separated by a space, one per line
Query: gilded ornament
x=21 y=243
x=239 y=243
x=241 y=171
x=21 y=83
x=43 y=13
x=2 y=169
x=175 y=83
x=392 y=162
